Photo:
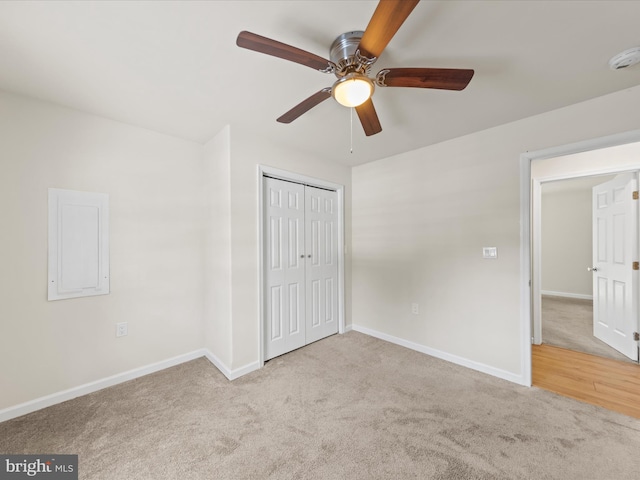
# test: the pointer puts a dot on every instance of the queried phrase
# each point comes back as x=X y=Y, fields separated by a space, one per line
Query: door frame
x=536 y=236
x=529 y=187
x=264 y=170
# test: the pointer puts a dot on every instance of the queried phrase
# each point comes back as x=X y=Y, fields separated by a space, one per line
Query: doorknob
x=592 y=269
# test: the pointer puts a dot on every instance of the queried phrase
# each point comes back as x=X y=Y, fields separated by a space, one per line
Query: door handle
x=592 y=269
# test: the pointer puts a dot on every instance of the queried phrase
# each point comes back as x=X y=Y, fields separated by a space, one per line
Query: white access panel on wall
x=301 y=265
x=78 y=244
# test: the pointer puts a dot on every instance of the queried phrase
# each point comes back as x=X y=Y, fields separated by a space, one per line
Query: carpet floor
x=347 y=407
x=568 y=323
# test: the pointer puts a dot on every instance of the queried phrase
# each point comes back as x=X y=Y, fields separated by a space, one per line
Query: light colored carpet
x=568 y=323
x=346 y=407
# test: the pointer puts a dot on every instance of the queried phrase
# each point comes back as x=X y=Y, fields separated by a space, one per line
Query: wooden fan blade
x=385 y=22
x=369 y=118
x=261 y=44
x=442 y=78
x=305 y=106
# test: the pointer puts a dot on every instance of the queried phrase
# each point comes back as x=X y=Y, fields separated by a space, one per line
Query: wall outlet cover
x=490 y=252
x=121 y=329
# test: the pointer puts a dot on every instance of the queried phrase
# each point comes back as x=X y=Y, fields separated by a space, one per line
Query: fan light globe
x=352 y=90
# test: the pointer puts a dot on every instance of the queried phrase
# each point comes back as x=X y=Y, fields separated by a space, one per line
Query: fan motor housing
x=343 y=54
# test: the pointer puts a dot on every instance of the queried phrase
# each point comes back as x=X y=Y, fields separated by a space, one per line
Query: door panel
x=329 y=300
x=276 y=313
x=315 y=303
x=619 y=307
x=615 y=283
x=285 y=272
x=322 y=266
x=294 y=308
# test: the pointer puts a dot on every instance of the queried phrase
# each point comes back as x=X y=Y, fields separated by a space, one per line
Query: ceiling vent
x=625 y=59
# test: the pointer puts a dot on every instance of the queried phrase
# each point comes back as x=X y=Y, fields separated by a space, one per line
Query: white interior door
x=285 y=267
x=301 y=265
x=615 y=282
x=321 y=233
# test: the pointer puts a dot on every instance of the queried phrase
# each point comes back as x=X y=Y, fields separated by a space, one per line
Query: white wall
x=184 y=246
x=217 y=265
x=420 y=220
x=566 y=242
x=154 y=182
x=619 y=158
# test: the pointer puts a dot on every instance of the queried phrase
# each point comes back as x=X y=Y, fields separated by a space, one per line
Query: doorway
x=566 y=276
x=571 y=374
x=302 y=260
x=611 y=154
x=604 y=156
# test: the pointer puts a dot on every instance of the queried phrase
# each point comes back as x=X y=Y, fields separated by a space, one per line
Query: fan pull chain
x=351 y=129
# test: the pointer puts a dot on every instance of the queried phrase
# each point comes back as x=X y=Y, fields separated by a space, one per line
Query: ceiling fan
x=351 y=56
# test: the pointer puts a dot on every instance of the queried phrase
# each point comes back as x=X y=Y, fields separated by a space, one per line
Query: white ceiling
x=174 y=67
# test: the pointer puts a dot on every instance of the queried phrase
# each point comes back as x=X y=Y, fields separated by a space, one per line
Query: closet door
x=285 y=267
x=321 y=246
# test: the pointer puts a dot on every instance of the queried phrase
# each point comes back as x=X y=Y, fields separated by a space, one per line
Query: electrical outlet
x=415 y=309
x=121 y=329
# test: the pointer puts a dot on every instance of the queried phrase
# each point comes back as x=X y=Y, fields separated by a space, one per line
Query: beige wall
x=156 y=248
x=566 y=242
x=420 y=220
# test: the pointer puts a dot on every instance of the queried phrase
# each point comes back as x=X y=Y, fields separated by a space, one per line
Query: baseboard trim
x=63 y=396
x=566 y=295
x=226 y=371
x=464 y=362
x=59 y=397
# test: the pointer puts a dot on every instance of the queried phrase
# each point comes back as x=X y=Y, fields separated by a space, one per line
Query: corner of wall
x=217 y=321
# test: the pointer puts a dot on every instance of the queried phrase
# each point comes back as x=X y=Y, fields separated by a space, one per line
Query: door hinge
x=635 y=195
x=636 y=336
x=636 y=265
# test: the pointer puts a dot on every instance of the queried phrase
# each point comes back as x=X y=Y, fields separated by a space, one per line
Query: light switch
x=490 y=252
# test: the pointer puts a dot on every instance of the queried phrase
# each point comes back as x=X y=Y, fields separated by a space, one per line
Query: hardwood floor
x=611 y=384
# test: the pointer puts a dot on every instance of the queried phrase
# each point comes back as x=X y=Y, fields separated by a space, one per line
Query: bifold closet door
x=301 y=265
x=321 y=246
x=285 y=267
